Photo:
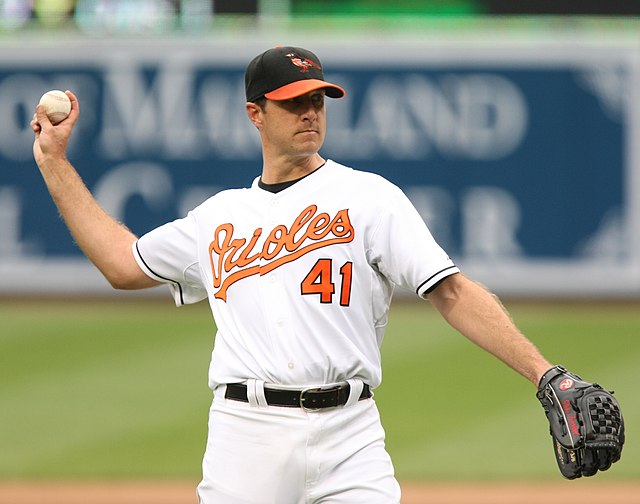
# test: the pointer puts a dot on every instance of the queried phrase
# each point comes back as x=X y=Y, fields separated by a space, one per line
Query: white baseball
x=56 y=104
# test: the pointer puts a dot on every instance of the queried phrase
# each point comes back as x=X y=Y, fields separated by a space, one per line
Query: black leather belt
x=311 y=398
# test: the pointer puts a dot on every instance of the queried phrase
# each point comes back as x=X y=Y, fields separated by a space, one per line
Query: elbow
x=123 y=279
x=119 y=282
x=448 y=290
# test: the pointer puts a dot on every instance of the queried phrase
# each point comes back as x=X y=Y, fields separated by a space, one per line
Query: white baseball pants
x=277 y=455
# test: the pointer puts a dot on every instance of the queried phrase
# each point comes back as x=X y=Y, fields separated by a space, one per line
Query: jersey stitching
x=189 y=266
x=377 y=227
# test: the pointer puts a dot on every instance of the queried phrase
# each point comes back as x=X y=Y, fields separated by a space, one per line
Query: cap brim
x=298 y=88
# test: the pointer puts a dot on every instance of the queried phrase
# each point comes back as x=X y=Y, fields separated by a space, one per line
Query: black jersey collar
x=281 y=186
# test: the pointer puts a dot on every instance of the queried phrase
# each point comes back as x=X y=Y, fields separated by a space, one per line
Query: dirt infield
x=436 y=493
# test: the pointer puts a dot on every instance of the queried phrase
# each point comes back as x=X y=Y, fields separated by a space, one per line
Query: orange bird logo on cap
x=303 y=63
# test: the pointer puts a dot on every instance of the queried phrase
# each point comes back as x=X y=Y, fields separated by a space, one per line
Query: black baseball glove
x=585 y=422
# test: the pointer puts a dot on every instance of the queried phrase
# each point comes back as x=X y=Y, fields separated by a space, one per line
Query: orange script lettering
x=240 y=257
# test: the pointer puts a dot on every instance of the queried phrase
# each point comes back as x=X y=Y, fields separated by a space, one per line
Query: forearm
x=105 y=242
x=479 y=316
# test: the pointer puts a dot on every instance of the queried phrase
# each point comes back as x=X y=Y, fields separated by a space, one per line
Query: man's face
x=295 y=127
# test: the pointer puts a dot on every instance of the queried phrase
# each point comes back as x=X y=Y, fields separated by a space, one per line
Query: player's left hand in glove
x=585 y=421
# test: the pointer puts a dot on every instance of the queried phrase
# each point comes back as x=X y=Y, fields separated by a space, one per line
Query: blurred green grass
x=118 y=389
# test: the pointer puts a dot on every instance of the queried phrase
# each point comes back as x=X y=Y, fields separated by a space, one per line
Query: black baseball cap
x=283 y=73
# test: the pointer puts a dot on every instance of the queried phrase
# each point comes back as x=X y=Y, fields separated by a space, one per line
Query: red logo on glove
x=566 y=384
x=573 y=425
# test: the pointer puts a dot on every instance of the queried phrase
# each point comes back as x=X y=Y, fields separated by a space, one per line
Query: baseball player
x=299 y=271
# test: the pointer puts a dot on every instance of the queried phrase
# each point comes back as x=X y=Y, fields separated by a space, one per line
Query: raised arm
x=106 y=242
x=478 y=315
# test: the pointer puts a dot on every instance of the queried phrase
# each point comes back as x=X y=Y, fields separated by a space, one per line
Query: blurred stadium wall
x=516 y=135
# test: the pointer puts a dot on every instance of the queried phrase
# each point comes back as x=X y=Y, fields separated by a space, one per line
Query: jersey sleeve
x=169 y=254
x=403 y=249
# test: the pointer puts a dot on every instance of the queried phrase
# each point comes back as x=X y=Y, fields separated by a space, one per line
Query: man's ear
x=254 y=113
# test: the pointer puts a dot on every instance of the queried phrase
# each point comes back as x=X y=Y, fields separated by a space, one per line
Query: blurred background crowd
x=152 y=16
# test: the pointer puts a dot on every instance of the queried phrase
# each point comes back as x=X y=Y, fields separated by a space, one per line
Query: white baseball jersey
x=299 y=281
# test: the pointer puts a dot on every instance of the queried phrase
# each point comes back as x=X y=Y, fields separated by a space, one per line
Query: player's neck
x=281 y=186
x=279 y=171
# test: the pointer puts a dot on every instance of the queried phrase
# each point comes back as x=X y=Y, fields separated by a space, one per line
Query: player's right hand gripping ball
x=57 y=105
x=585 y=421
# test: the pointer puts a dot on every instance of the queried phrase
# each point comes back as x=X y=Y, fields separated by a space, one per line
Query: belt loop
x=355 y=390
x=262 y=399
x=255 y=393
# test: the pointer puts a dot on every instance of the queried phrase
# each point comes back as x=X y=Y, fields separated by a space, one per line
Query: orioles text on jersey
x=240 y=258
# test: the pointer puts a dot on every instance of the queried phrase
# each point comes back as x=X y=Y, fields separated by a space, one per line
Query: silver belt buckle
x=303 y=392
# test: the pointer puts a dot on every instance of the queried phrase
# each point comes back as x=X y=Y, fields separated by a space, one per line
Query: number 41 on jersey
x=320 y=281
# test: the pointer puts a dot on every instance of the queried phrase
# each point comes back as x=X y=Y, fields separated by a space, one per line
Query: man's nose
x=309 y=110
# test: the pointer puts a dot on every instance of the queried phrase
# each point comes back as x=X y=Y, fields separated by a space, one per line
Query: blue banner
x=521 y=166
